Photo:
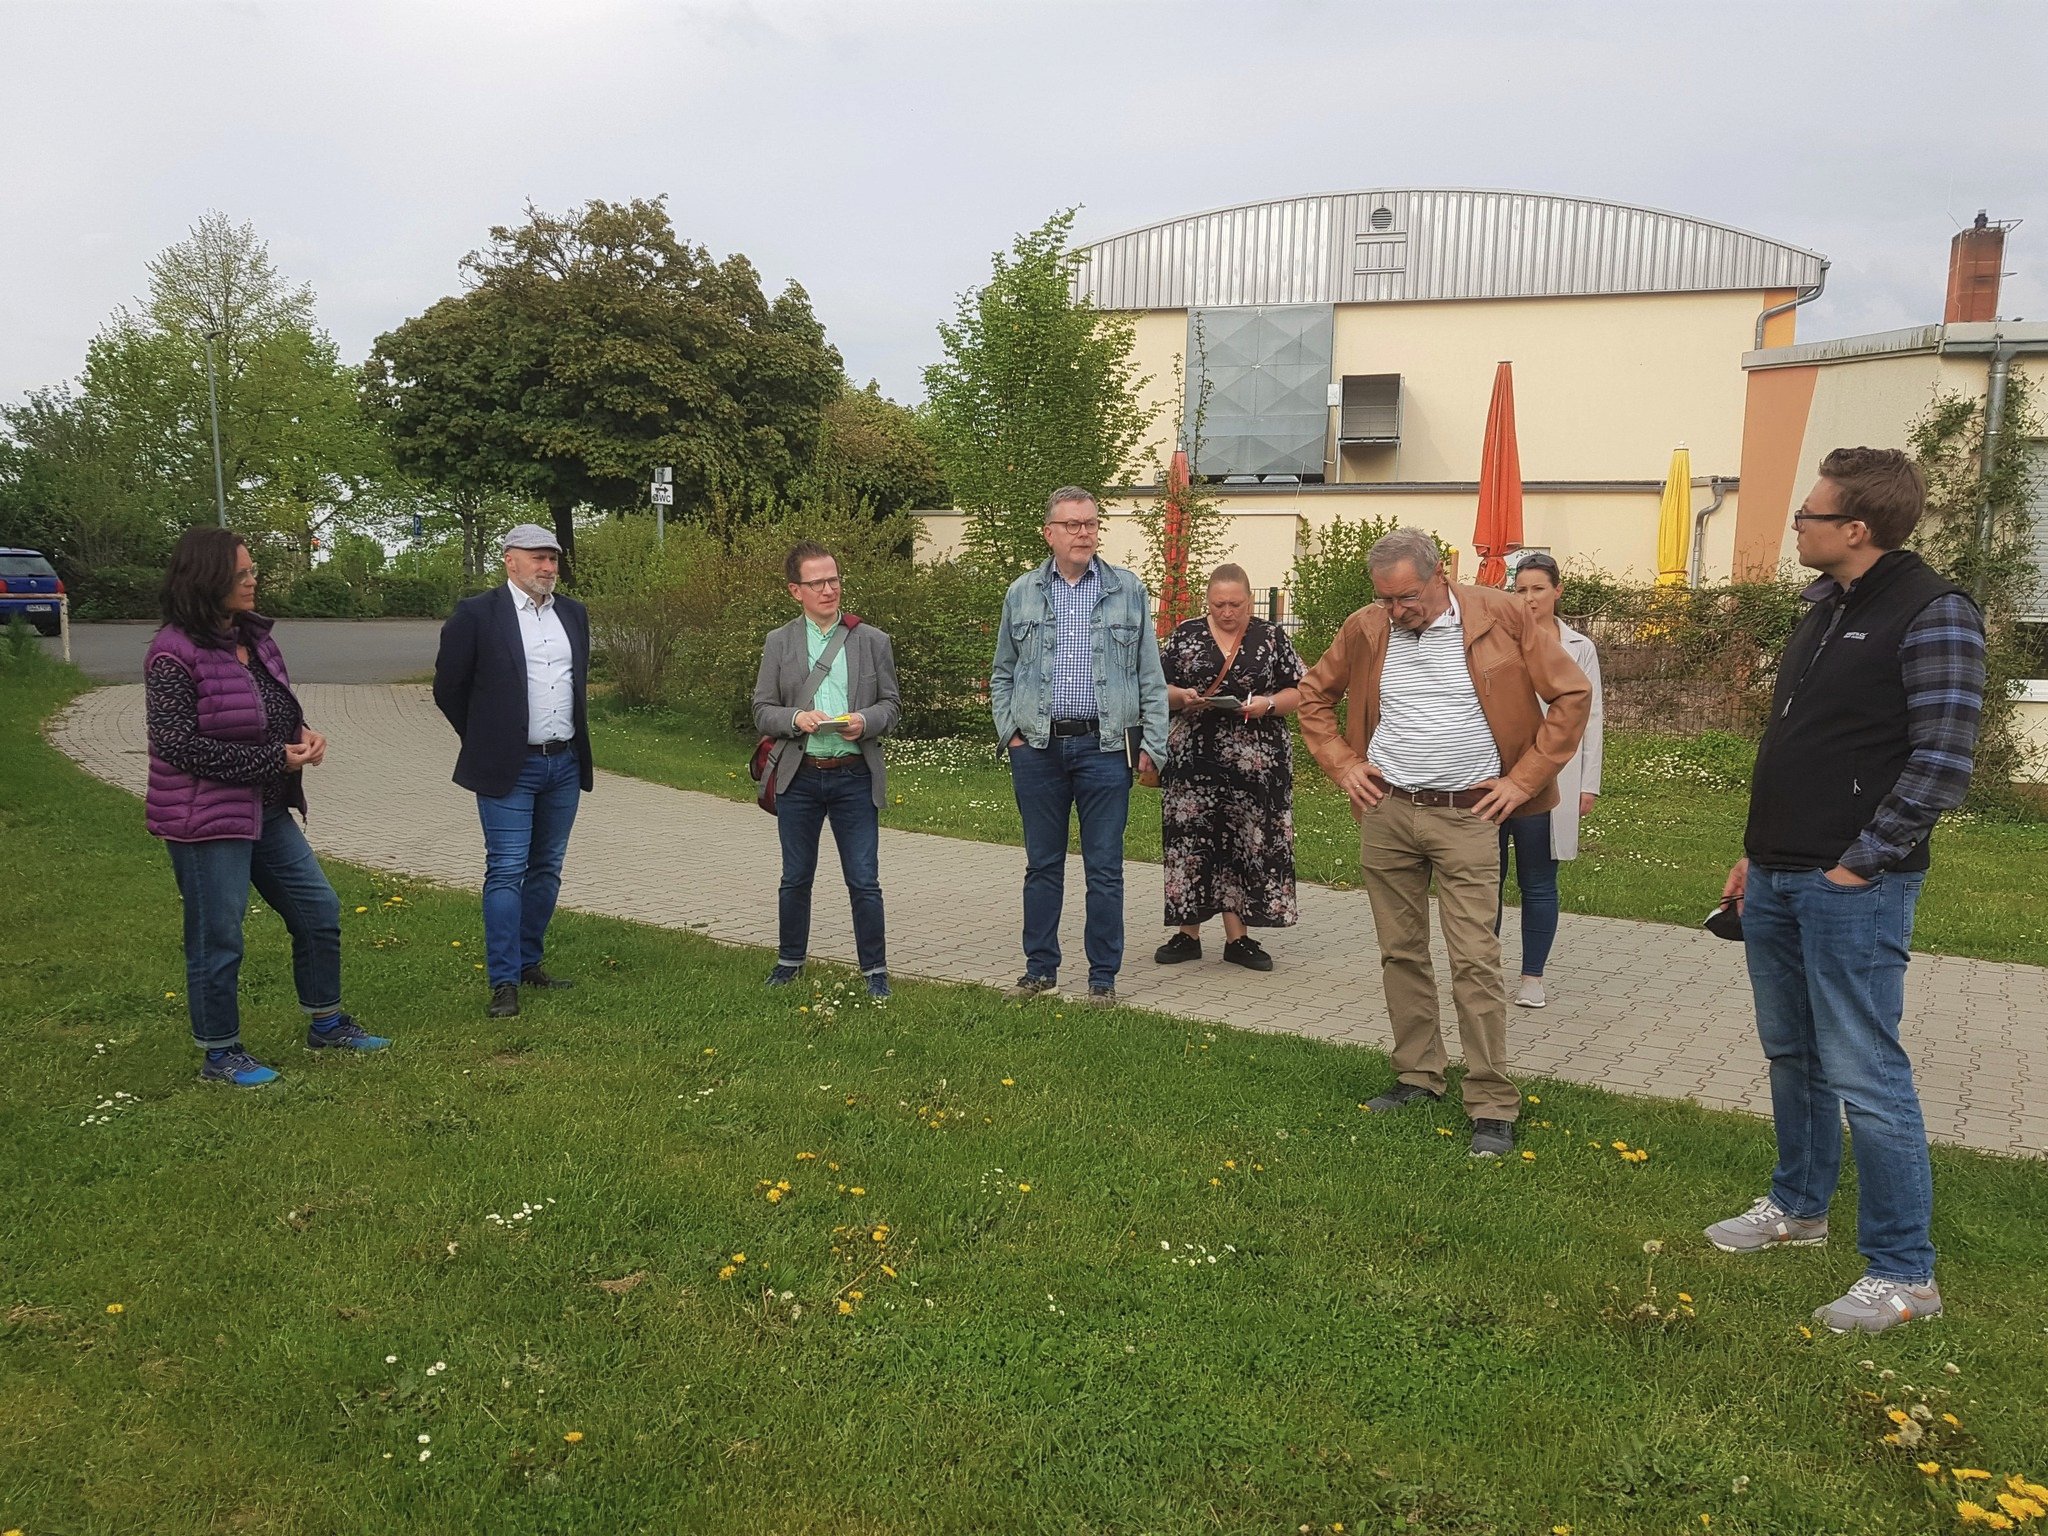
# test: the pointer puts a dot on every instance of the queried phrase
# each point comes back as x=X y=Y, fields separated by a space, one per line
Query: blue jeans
x=846 y=798
x=1828 y=966
x=1536 y=875
x=214 y=878
x=1071 y=774
x=526 y=833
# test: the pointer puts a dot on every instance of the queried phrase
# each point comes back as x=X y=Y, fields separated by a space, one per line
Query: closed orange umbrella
x=1176 y=594
x=1499 y=529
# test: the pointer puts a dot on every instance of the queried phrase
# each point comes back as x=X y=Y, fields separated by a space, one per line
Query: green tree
x=295 y=448
x=872 y=453
x=591 y=347
x=1037 y=390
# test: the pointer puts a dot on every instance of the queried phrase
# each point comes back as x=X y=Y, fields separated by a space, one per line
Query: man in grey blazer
x=827 y=692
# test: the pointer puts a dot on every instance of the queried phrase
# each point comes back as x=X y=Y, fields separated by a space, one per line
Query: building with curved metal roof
x=1396 y=245
x=1338 y=354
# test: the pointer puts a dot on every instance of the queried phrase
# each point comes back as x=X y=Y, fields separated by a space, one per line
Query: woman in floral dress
x=1227 y=792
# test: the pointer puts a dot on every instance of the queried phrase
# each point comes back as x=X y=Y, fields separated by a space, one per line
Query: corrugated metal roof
x=1402 y=244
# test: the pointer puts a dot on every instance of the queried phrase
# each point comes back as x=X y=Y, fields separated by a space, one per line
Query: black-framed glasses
x=823 y=583
x=1076 y=525
x=1801 y=519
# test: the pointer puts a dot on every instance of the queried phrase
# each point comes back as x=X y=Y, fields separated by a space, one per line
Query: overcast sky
x=878 y=152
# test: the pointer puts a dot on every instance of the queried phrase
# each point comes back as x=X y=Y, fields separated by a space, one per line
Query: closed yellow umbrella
x=1674 y=521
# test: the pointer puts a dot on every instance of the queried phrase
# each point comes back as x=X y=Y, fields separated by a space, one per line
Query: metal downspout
x=1803 y=296
x=1994 y=432
x=1699 y=524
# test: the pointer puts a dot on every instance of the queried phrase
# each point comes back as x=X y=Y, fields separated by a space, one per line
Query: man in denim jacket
x=1076 y=672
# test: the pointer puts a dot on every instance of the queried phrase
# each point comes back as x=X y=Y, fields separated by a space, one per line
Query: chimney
x=1975 y=258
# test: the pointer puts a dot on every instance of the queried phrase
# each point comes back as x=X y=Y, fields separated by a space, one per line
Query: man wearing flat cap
x=511 y=677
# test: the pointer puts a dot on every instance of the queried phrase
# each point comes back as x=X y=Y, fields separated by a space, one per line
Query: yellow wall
x=1605 y=387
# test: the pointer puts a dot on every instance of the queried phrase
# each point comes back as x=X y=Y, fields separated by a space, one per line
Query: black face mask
x=1725 y=921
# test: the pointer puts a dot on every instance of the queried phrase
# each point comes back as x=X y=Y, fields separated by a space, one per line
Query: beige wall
x=1616 y=531
x=2033 y=733
x=1605 y=387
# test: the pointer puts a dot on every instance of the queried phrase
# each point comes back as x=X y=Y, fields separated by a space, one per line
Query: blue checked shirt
x=1073 y=661
x=1941 y=661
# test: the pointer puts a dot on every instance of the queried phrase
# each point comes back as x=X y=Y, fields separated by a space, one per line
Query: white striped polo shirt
x=1432 y=733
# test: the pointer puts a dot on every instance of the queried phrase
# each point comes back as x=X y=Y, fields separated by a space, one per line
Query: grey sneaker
x=1396 y=1096
x=1493 y=1138
x=1102 y=997
x=1765 y=1225
x=1029 y=986
x=1873 y=1305
x=1531 y=993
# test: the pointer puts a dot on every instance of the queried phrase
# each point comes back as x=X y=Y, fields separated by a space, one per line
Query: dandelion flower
x=1009 y=1082
x=1927 y=1468
x=857 y=1191
x=1685 y=1298
x=115 y=1309
x=1215 y=1181
x=1025 y=1189
x=888 y=1271
x=1443 y=1130
x=362 y=909
x=455 y=943
x=1230 y=1162
x=773 y=1196
x=574 y=1437
x=1619 y=1146
x=1896 y=1415
x=1968 y=1474
x=1528 y=1157
x=726 y=1271
x=845 y=1308
x=1951 y=1421
x=1534 y=1100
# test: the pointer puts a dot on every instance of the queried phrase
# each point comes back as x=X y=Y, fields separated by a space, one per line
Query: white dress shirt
x=550 y=670
x=1432 y=733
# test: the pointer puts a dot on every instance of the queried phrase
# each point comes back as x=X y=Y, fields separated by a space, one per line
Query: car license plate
x=42 y=607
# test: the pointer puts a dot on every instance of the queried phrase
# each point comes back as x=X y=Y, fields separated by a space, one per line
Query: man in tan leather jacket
x=1445 y=740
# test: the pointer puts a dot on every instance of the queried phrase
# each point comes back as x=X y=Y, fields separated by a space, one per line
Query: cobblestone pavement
x=1637 y=1007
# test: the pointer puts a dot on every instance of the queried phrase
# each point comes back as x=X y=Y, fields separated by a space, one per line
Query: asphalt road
x=316 y=650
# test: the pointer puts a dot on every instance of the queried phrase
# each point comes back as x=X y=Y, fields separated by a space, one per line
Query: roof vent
x=1382 y=218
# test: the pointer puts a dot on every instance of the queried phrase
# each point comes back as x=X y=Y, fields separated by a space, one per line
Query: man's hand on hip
x=1844 y=876
x=1365 y=784
x=1503 y=798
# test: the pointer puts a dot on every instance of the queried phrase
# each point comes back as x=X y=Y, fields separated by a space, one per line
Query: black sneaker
x=783 y=975
x=504 y=1001
x=1249 y=953
x=1493 y=1138
x=534 y=976
x=1398 y=1095
x=1178 y=948
x=343 y=1033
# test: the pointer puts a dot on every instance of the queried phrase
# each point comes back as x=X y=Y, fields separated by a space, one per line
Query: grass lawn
x=1657 y=847
x=1008 y=1269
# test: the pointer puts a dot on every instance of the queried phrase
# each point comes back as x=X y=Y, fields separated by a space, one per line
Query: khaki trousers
x=1401 y=845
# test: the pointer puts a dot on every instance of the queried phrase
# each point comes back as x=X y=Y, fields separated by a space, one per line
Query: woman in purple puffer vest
x=227 y=748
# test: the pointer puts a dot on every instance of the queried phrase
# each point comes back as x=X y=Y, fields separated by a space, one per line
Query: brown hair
x=1881 y=489
x=1228 y=572
x=199 y=581
x=1536 y=560
x=809 y=549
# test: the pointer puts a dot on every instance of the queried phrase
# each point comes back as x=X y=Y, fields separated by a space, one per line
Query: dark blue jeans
x=1072 y=774
x=526 y=833
x=846 y=798
x=1828 y=966
x=1536 y=875
x=214 y=878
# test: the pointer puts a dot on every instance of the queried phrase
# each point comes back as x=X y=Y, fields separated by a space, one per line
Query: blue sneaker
x=783 y=975
x=878 y=986
x=235 y=1065
x=343 y=1034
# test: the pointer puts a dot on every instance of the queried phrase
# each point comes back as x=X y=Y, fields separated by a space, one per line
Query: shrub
x=117 y=592
x=404 y=596
x=1331 y=581
x=320 y=593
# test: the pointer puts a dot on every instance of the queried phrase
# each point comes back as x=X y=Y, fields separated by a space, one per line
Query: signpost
x=663 y=494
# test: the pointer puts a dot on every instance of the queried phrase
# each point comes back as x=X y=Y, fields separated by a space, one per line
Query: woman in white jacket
x=1541 y=843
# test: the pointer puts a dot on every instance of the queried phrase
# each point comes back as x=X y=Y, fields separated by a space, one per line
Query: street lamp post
x=220 y=489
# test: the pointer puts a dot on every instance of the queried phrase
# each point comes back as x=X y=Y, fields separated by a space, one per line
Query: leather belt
x=550 y=748
x=1092 y=726
x=835 y=763
x=1443 y=799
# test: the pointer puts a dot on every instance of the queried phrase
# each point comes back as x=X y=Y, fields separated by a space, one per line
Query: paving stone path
x=1637 y=1007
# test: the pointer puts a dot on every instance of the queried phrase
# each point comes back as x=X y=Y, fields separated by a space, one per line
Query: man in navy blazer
x=512 y=678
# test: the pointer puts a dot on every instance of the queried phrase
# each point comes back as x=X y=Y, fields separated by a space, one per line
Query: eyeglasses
x=822 y=584
x=1077 y=525
x=1404 y=600
x=1801 y=519
x=248 y=575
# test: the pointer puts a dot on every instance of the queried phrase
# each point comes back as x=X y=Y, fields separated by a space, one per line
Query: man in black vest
x=1872 y=735
x=512 y=677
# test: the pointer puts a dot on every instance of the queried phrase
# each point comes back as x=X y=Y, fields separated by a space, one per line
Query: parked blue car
x=29 y=587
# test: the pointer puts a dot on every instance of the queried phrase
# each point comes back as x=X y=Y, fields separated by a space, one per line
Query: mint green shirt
x=831 y=698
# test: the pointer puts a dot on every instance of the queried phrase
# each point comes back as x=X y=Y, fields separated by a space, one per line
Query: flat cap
x=531 y=536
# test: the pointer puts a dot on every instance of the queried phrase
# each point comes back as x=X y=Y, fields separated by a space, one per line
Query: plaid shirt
x=1073 y=660
x=1941 y=661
